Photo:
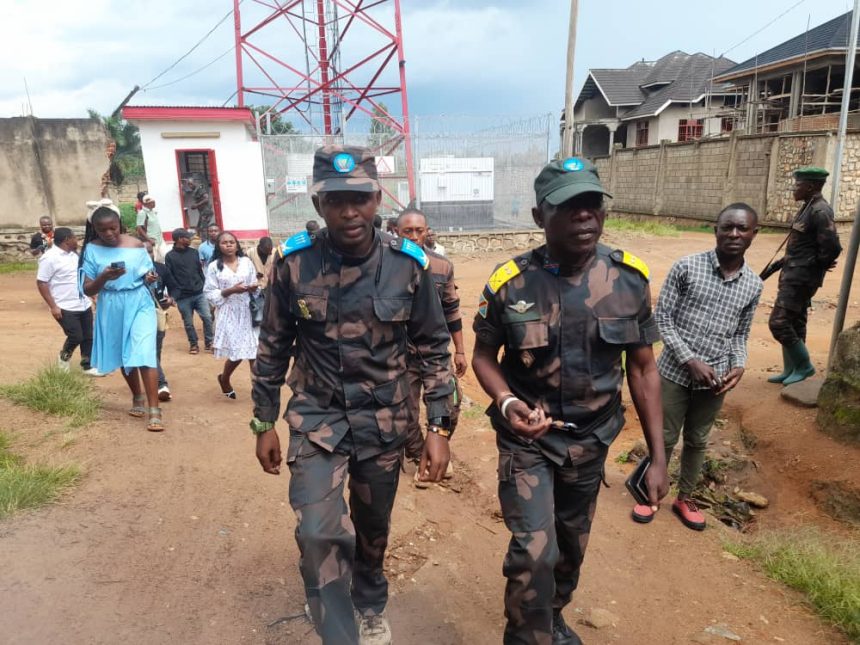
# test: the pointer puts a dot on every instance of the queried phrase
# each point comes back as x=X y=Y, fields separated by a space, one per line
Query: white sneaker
x=164 y=393
x=63 y=365
x=374 y=630
x=93 y=372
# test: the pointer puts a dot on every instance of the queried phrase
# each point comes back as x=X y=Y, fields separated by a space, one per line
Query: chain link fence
x=470 y=173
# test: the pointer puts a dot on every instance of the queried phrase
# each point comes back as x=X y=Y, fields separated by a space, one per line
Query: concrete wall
x=239 y=164
x=49 y=167
x=695 y=180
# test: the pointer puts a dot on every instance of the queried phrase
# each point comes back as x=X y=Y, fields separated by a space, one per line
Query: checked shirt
x=703 y=315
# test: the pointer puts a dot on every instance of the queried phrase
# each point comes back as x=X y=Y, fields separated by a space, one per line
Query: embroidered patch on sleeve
x=482 y=306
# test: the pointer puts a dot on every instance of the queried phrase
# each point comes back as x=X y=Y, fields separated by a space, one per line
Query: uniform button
x=392 y=243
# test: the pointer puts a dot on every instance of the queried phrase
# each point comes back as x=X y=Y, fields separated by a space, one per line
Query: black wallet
x=636 y=483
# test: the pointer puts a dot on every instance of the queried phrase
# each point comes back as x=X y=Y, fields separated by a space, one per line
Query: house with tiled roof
x=671 y=99
x=798 y=84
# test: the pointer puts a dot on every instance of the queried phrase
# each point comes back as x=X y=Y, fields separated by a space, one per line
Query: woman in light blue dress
x=117 y=268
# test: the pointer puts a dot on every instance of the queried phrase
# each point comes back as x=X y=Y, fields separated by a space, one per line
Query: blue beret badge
x=572 y=164
x=343 y=162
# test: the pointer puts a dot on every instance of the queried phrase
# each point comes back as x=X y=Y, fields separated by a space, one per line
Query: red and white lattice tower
x=321 y=62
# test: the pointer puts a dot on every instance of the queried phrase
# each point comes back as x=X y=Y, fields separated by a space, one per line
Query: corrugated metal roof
x=833 y=34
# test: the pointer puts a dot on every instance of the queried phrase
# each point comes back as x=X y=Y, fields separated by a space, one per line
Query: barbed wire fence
x=471 y=173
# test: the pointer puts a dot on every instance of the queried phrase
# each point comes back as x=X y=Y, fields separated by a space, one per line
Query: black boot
x=561 y=633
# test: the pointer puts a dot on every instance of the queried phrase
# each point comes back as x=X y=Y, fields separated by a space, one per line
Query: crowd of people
x=359 y=323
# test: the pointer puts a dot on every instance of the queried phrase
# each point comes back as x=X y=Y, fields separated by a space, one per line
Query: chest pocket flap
x=392 y=309
x=619 y=331
x=309 y=307
x=528 y=335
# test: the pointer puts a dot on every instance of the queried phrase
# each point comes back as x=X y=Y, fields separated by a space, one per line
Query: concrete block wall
x=695 y=180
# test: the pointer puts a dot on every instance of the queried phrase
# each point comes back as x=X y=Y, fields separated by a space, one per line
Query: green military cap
x=338 y=167
x=563 y=179
x=811 y=172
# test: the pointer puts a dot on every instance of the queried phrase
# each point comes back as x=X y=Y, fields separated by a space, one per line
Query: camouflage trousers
x=787 y=320
x=414 y=435
x=548 y=509
x=342 y=549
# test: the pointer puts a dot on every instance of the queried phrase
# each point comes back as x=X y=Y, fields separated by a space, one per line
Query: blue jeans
x=187 y=307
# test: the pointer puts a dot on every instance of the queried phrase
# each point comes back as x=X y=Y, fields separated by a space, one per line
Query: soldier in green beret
x=811 y=250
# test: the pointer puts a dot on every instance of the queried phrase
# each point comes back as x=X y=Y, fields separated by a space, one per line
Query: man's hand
x=57 y=313
x=434 y=458
x=269 y=452
x=701 y=372
x=657 y=480
x=730 y=380
x=530 y=424
x=460 y=364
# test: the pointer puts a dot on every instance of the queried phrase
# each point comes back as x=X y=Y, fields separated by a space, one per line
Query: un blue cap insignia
x=343 y=162
x=572 y=164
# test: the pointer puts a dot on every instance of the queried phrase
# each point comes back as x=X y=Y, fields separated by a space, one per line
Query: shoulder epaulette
x=295 y=243
x=410 y=248
x=630 y=260
x=503 y=274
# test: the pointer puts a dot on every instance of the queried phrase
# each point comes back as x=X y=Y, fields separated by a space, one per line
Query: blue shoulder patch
x=295 y=243
x=414 y=251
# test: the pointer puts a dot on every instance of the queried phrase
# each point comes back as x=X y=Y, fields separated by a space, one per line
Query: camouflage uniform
x=442 y=270
x=350 y=320
x=813 y=245
x=563 y=338
x=206 y=213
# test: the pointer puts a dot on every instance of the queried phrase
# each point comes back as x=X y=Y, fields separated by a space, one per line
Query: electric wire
x=196 y=71
x=186 y=54
x=758 y=31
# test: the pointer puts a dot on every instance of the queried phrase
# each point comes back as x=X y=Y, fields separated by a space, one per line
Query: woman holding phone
x=117 y=268
x=230 y=280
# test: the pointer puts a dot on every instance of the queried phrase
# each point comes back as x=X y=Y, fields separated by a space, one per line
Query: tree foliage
x=380 y=129
x=279 y=125
x=128 y=158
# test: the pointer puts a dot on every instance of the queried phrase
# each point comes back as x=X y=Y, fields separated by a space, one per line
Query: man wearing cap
x=183 y=261
x=564 y=314
x=201 y=202
x=349 y=299
x=811 y=250
x=149 y=227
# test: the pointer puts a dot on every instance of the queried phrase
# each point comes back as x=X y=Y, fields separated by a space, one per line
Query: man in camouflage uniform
x=200 y=201
x=412 y=225
x=812 y=249
x=564 y=314
x=349 y=299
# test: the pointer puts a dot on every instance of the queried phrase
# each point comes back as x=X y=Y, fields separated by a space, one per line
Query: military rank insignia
x=303 y=309
x=500 y=276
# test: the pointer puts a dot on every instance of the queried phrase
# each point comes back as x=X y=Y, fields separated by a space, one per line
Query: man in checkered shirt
x=704 y=314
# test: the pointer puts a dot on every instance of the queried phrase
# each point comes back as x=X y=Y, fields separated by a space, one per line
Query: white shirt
x=438 y=249
x=59 y=269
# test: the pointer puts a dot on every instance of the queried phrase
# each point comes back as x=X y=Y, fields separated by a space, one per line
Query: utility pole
x=854 y=242
x=567 y=139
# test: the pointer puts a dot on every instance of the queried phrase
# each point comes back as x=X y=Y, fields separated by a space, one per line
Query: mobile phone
x=117 y=265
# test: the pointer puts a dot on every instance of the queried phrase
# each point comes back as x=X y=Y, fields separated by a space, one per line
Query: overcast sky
x=463 y=56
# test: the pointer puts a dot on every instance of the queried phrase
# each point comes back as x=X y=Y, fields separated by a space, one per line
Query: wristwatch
x=259 y=427
x=440 y=426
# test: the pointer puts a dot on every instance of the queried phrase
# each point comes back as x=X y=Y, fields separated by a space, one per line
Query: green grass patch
x=28 y=486
x=623 y=457
x=473 y=412
x=826 y=569
x=70 y=395
x=648 y=227
x=17 y=267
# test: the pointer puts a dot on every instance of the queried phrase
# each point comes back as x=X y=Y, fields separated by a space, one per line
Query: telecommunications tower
x=322 y=63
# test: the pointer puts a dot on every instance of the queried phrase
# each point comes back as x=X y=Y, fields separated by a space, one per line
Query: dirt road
x=180 y=537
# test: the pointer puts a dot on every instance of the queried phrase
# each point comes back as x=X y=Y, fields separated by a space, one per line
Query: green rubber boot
x=803 y=368
x=787 y=368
